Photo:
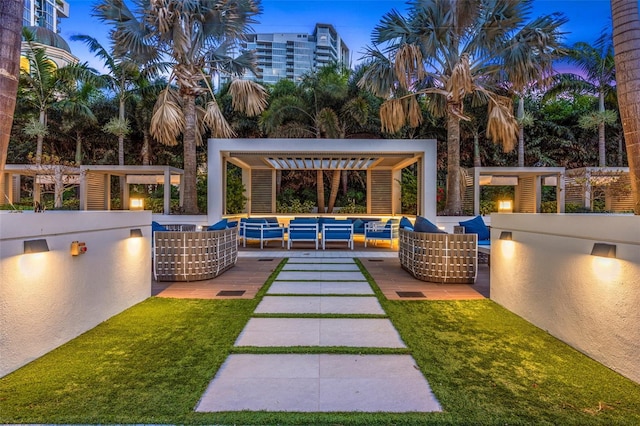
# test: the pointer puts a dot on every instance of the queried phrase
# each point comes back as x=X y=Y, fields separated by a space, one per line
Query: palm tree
x=195 y=37
x=450 y=50
x=317 y=108
x=597 y=64
x=626 y=33
x=10 y=34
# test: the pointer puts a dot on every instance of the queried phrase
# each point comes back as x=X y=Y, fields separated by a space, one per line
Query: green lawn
x=152 y=363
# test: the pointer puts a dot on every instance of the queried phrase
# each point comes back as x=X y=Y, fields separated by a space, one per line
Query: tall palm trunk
x=520 y=131
x=40 y=138
x=190 y=163
x=602 y=152
x=78 y=147
x=453 y=205
x=335 y=186
x=146 y=147
x=477 y=160
x=123 y=180
x=626 y=43
x=11 y=36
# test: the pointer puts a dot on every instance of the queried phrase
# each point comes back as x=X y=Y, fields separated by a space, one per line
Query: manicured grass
x=152 y=363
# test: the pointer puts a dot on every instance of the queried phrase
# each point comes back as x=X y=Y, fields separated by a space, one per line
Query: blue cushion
x=405 y=222
x=218 y=226
x=424 y=225
x=408 y=228
x=256 y=220
x=476 y=226
x=232 y=224
x=155 y=226
x=484 y=242
x=358 y=223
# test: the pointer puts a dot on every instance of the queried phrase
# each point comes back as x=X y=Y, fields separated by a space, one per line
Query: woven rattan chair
x=193 y=256
x=439 y=258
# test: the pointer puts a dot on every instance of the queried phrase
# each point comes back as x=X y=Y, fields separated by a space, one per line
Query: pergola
x=528 y=182
x=381 y=159
x=587 y=184
x=94 y=181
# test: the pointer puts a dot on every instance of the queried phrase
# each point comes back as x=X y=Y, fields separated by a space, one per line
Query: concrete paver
x=320 y=287
x=320 y=276
x=319 y=305
x=321 y=267
x=351 y=332
x=310 y=383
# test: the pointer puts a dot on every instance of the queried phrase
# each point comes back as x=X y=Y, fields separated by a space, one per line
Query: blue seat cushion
x=379 y=234
x=337 y=235
x=155 y=226
x=218 y=226
x=484 y=242
x=305 y=220
x=476 y=226
x=273 y=233
x=303 y=235
x=232 y=224
x=425 y=225
x=358 y=226
x=405 y=223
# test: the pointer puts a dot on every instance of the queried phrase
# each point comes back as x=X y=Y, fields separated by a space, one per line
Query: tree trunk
x=320 y=190
x=335 y=186
x=626 y=43
x=78 y=147
x=602 y=152
x=345 y=181
x=123 y=180
x=620 y=151
x=190 y=163
x=520 y=132
x=453 y=205
x=477 y=161
x=40 y=137
x=146 y=147
x=11 y=36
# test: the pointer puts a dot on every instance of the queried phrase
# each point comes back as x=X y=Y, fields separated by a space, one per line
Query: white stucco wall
x=547 y=276
x=47 y=299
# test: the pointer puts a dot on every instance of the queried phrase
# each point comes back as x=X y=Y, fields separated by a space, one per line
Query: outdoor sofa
x=193 y=256
x=439 y=257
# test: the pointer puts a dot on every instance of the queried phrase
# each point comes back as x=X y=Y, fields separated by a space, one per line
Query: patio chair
x=381 y=231
x=303 y=230
x=260 y=229
x=337 y=230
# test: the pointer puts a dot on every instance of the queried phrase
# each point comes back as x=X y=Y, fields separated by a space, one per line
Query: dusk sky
x=353 y=19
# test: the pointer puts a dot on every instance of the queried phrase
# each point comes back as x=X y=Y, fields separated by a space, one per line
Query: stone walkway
x=322 y=287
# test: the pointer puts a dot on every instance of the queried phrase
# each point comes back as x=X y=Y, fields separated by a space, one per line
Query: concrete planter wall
x=547 y=276
x=47 y=299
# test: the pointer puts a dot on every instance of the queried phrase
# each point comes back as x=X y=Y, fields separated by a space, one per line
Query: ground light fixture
x=505 y=206
x=36 y=246
x=604 y=250
x=136 y=204
x=135 y=233
x=506 y=235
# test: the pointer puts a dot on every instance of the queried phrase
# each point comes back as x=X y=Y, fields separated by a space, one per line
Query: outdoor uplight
x=36 y=246
x=135 y=233
x=506 y=235
x=136 y=204
x=604 y=250
x=505 y=206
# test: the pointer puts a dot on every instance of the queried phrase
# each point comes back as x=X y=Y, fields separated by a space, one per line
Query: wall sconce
x=135 y=233
x=604 y=250
x=506 y=235
x=35 y=246
x=505 y=206
x=136 y=204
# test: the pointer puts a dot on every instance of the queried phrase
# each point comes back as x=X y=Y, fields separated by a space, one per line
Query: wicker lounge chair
x=193 y=256
x=440 y=258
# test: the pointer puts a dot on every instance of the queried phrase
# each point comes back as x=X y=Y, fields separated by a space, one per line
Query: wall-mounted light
x=604 y=250
x=135 y=233
x=505 y=206
x=506 y=235
x=36 y=246
x=136 y=204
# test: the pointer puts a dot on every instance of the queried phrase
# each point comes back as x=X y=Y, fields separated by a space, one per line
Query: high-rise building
x=42 y=18
x=290 y=55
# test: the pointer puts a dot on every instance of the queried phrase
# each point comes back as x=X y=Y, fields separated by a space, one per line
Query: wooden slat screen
x=380 y=191
x=261 y=191
x=96 y=191
x=527 y=195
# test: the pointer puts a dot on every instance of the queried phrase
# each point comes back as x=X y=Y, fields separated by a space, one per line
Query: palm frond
x=502 y=127
x=392 y=115
x=216 y=122
x=248 y=97
x=328 y=123
x=167 y=122
x=408 y=65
